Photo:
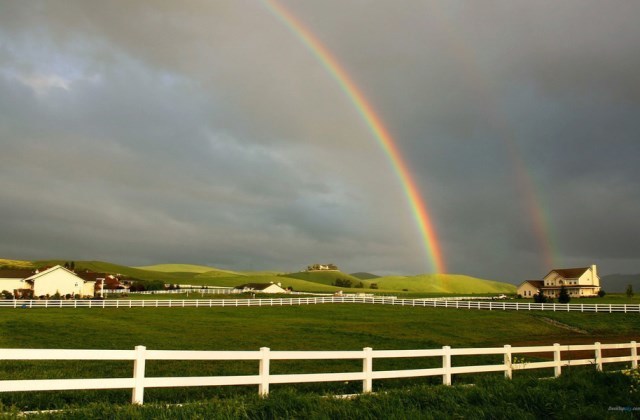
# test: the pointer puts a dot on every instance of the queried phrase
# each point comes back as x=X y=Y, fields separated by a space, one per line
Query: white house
x=261 y=288
x=579 y=282
x=47 y=282
x=12 y=280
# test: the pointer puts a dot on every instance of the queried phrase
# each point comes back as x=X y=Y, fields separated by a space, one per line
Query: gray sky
x=143 y=132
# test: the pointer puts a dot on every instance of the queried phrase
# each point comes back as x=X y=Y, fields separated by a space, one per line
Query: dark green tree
x=629 y=291
x=564 y=295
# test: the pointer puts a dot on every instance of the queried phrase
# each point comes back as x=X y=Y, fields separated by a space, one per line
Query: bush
x=564 y=295
x=343 y=283
x=601 y=293
x=7 y=294
x=540 y=297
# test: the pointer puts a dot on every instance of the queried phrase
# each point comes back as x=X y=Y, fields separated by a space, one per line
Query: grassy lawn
x=314 y=327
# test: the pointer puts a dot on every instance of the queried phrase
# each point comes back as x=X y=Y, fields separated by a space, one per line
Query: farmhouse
x=579 y=282
x=23 y=283
x=322 y=267
x=261 y=288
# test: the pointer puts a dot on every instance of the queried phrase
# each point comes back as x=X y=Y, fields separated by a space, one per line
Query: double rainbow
x=375 y=124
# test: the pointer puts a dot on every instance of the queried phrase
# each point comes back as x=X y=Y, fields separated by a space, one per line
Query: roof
x=570 y=273
x=92 y=276
x=256 y=286
x=535 y=283
x=49 y=270
x=15 y=274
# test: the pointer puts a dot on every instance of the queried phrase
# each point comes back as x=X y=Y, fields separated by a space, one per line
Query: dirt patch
x=563 y=325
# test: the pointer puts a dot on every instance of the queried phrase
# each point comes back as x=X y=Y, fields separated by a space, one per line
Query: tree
x=564 y=295
x=601 y=293
x=629 y=291
x=540 y=297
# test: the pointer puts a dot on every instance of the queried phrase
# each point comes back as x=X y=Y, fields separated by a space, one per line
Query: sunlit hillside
x=4 y=263
x=443 y=283
x=312 y=281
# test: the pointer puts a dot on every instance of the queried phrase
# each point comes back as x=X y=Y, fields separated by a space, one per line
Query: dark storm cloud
x=205 y=132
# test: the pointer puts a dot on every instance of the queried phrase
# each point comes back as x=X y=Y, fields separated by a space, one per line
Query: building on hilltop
x=579 y=282
x=322 y=267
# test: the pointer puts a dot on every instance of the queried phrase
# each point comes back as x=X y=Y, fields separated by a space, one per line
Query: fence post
x=634 y=355
x=598 y=356
x=367 y=369
x=508 y=370
x=446 y=365
x=137 y=395
x=557 y=359
x=263 y=388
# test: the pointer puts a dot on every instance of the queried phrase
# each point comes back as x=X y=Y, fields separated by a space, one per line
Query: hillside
x=18 y=264
x=195 y=270
x=135 y=273
x=443 y=283
x=617 y=283
x=322 y=277
x=315 y=281
x=364 y=276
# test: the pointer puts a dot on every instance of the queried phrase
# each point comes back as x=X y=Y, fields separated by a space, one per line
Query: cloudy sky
x=205 y=132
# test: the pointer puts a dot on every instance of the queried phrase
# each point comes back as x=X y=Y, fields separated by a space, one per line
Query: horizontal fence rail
x=263 y=378
x=431 y=303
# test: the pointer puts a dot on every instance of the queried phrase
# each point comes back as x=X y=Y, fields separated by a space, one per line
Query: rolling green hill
x=322 y=277
x=314 y=281
x=365 y=276
x=135 y=273
x=442 y=283
x=17 y=264
x=177 y=268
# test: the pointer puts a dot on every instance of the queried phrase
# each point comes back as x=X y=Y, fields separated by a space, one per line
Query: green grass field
x=316 y=327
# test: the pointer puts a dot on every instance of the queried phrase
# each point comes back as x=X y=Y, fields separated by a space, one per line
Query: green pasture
x=313 y=327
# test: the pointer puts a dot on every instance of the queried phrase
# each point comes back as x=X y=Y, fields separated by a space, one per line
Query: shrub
x=7 y=294
x=601 y=293
x=343 y=283
x=540 y=297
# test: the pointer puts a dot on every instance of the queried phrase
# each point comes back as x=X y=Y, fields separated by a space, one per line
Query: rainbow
x=376 y=126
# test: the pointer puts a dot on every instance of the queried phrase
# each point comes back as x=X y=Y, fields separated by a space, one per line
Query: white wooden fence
x=208 y=303
x=138 y=382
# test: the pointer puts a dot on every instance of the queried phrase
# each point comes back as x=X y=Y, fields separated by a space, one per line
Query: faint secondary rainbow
x=375 y=124
x=496 y=115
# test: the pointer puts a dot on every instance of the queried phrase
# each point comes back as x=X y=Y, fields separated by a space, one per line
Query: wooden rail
x=263 y=378
x=432 y=303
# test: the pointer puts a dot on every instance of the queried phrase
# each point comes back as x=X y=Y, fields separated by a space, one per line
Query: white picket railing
x=138 y=382
x=208 y=303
